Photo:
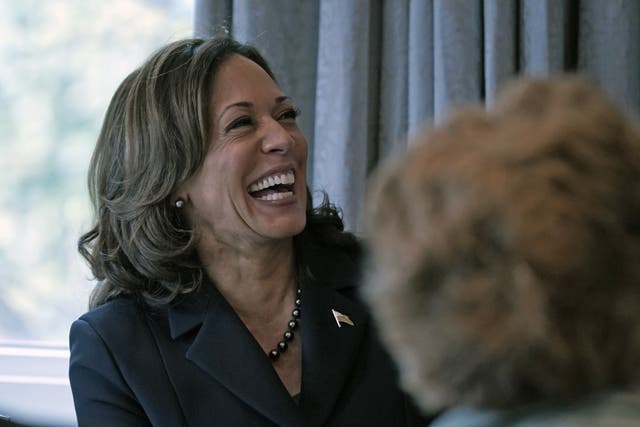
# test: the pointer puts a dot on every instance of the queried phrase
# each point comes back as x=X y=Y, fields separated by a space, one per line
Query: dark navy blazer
x=196 y=364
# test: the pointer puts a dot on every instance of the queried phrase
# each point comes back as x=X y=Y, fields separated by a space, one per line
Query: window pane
x=61 y=62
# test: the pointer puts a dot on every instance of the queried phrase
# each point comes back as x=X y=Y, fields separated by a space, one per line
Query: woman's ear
x=180 y=198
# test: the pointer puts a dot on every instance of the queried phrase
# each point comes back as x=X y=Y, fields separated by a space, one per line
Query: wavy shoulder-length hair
x=153 y=138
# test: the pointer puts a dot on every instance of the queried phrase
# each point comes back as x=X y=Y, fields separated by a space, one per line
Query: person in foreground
x=223 y=297
x=504 y=252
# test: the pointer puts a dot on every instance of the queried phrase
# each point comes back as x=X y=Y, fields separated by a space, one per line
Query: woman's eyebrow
x=247 y=104
x=244 y=104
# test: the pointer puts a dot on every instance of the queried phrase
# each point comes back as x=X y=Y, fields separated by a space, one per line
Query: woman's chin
x=283 y=228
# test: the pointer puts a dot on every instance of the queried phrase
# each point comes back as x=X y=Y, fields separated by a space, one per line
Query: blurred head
x=165 y=135
x=504 y=248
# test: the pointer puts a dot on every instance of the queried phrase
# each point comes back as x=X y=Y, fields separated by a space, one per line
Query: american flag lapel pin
x=341 y=318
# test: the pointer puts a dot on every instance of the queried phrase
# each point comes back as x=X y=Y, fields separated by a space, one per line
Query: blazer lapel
x=329 y=351
x=226 y=350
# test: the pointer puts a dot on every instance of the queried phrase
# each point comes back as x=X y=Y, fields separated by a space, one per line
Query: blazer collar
x=190 y=311
x=226 y=350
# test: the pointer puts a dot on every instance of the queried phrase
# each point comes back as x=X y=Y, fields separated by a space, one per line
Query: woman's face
x=251 y=187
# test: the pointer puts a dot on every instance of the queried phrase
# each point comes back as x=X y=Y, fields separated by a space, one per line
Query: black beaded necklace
x=288 y=334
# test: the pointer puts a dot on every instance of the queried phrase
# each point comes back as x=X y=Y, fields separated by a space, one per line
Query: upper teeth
x=270 y=181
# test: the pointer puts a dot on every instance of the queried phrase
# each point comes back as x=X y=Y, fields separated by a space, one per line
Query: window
x=61 y=62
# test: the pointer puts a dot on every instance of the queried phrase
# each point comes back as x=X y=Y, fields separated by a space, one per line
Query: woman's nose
x=276 y=138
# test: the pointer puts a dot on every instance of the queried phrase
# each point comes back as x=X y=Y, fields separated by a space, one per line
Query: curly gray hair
x=504 y=244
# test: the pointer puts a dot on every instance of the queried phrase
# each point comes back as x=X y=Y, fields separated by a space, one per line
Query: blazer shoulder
x=108 y=319
x=118 y=308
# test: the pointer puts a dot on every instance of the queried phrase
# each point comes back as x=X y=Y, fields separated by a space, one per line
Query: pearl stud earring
x=179 y=203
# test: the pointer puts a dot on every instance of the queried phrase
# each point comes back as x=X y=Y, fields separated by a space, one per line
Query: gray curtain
x=367 y=74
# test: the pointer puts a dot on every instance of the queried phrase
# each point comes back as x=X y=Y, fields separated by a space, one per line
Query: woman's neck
x=256 y=281
x=259 y=283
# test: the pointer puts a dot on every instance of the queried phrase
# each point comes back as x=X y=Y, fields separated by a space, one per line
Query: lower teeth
x=276 y=196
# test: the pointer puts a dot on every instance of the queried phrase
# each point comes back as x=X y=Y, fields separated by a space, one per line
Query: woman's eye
x=290 y=114
x=239 y=122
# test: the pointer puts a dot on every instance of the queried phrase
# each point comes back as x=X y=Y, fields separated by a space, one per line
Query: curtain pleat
x=212 y=17
x=457 y=53
x=367 y=73
x=543 y=24
x=420 y=63
x=342 y=134
x=609 y=48
x=392 y=119
x=500 y=44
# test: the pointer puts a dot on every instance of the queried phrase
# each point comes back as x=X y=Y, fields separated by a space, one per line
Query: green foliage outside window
x=61 y=60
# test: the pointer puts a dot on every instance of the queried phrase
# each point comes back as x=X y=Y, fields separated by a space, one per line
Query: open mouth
x=277 y=186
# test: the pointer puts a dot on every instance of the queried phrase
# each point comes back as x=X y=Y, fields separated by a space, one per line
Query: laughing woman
x=223 y=297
